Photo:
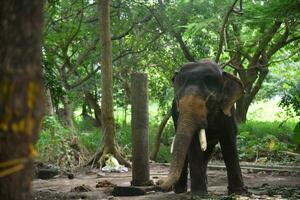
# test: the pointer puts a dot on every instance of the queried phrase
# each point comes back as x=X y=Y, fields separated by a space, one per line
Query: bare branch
x=81 y=81
x=287 y=58
x=77 y=30
x=86 y=52
x=123 y=34
x=130 y=51
x=186 y=52
x=264 y=41
x=262 y=76
x=222 y=31
x=147 y=18
x=280 y=44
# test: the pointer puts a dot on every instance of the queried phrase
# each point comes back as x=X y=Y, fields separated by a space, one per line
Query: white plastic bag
x=112 y=165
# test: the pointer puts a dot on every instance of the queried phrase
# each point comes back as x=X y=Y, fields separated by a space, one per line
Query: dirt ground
x=262 y=185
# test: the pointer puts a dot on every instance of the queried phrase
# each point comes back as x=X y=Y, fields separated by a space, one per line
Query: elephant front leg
x=197 y=166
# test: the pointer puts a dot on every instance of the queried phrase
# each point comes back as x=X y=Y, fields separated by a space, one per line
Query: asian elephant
x=203 y=115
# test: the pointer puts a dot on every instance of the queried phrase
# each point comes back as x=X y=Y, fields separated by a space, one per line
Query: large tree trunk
x=108 y=122
x=241 y=111
x=21 y=94
x=252 y=84
x=106 y=78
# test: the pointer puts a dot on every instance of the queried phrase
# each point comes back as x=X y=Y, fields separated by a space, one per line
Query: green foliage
x=296 y=137
x=291 y=102
x=53 y=144
x=143 y=40
x=89 y=135
x=266 y=141
x=124 y=138
x=291 y=99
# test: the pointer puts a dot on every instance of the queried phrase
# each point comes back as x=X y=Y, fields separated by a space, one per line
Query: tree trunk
x=84 y=112
x=241 y=111
x=92 y=102
x=67 y=118
x=252 y=84
x=49 y=104
x=21 y=94
x=67 y=114
x=159 y=134
x=107 y=116
x=106 y=78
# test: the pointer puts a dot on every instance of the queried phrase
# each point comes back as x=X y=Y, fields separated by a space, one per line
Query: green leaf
x=296 y=137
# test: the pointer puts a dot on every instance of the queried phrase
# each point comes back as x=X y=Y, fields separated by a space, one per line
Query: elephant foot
x=179 y=190
x=239 y=191
x=165 y=185
x=196 y=194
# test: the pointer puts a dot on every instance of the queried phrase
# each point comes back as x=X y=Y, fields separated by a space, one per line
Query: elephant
x=203 y=115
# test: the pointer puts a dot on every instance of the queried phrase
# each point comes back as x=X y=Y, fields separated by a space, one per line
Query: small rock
x=104 y=183
x=82 y=188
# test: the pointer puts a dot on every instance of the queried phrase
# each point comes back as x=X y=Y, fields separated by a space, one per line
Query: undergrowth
x=267 y=142
x=257 y=141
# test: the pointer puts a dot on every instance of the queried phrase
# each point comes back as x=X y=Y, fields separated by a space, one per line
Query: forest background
x=257 y=40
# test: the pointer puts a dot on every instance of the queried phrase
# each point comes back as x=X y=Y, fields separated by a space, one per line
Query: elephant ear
x=232 y=91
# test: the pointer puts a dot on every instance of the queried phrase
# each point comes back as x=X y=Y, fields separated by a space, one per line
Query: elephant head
x=201 y=90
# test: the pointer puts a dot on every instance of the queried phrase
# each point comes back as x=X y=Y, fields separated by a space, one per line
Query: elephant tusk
x=202 y=140
x=172 y=145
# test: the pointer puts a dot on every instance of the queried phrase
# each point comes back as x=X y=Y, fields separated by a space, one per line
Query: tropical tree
x=106 y=83
x=253 y=42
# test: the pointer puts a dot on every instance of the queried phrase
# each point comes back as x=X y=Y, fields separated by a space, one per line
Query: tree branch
x=280 y=44
x=264 y=41
x=222 y=31
x=147 y=18
x=262 y=76
x=81 y=81
x=86 y=52
x=130 y=51
x=173 y=33
x=287 y=58
x=187 y=54
x=77 y=30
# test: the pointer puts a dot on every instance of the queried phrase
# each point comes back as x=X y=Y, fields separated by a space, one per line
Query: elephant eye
x=212 y=84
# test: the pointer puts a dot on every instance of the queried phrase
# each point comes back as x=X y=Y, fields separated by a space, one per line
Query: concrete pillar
x=139 y=126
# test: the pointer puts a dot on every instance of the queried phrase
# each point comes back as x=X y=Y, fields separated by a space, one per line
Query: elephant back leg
x=227 y=138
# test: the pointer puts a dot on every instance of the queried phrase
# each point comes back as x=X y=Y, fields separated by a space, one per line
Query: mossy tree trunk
x=21 y=94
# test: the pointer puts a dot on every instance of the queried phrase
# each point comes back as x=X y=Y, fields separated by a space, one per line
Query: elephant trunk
x=186 y=129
